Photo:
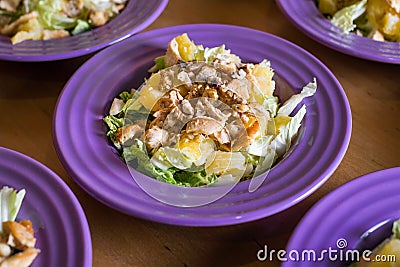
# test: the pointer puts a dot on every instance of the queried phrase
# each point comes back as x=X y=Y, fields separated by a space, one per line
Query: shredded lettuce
x=166 y=173
x=266 y=161
x=271 y=104
x=345 y=17
x=137 y=152
x=10 y=203
x=396 y=229
x=260 y=145
x=195 y=178
x=125 y=96
x=51 y=17
x=287 y=108
x=210 y=54
x=113 y=124
x=159 y=64
x=286 y=129
x=80 y=27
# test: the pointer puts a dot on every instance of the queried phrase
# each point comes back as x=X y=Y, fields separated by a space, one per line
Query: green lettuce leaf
x=137 y=152
x=113 y=124
x=166 y=173
x=195 y=178
x=159 y=64
x=51 y=17
x=81 y=26
x=10 y=203
x=345 y=17
x=125 y=96
x=396 y=229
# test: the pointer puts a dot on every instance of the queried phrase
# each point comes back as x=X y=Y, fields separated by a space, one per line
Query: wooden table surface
x=29 y=91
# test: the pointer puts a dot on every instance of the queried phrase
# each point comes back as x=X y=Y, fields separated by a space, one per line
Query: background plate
x=60 y=225
x=79 y=133
x=304 y=14
x=347 y=213
x=137 y=15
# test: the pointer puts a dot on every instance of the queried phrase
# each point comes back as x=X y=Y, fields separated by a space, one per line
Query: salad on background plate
x=375 y=19
x=51 y=19
x=204 y=117
x=17 y=241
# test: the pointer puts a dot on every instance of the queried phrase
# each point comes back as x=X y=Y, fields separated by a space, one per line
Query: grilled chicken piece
x=21 y=259
x=170 y=100
x=12 y=28
x=238 y=135
x=208 y=74
x=54 y=34
x=98 y=18
x=211 y=93
x=18 y=235
x=176 y=119
x=207 y=107
x=196 y=90
x=72 y=7
x=173 y=116
x=187 y=107
x=9 y=5
x=160 y=117
x=222 y=137
x=172 y=55
x=204 y=125
x=28 y=225
x=184 y=78
x=240 y=88
x=126 y=133
x=155 y=138
x=225 y=66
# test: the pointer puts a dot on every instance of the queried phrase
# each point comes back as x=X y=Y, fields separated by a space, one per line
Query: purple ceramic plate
x=79 y=133
x=304 y=14
x=60 y=225
x=137 y=15
x=342 y=217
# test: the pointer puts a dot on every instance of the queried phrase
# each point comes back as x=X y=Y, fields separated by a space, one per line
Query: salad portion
x=204 y=117
x=375 y=19
x=50 y=19
x=17 y=241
